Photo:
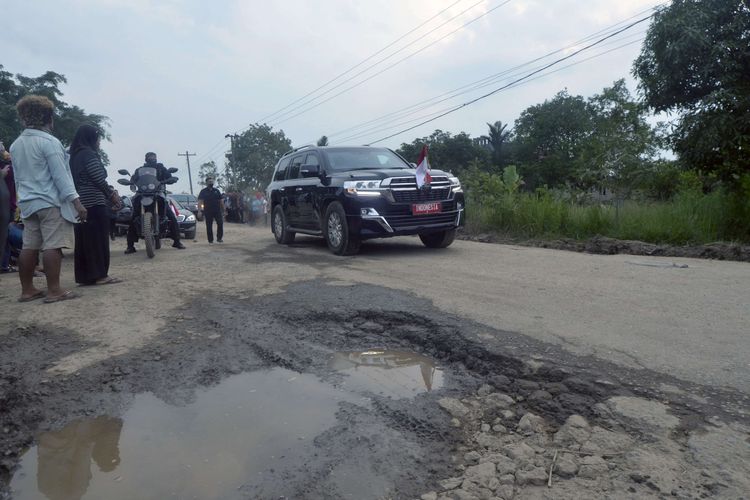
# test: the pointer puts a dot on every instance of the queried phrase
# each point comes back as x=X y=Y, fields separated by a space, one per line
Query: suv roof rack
x=298 y=149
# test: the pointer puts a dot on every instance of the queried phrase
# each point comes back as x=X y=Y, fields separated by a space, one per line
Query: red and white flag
x=423 y=169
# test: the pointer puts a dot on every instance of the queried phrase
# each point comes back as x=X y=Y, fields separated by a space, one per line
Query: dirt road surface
x=255 y=370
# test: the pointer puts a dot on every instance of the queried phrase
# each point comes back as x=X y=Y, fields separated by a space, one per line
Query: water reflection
x=392 y=373
x=64 y=457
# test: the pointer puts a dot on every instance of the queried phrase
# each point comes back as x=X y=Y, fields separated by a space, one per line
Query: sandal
x=109 y=281
x=37 y=295
x=69 y=295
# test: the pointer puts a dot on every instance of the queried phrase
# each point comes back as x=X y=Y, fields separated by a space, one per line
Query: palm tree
x=498 y=135
x=323 y=141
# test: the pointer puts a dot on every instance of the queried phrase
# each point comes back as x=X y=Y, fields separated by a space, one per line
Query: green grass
x=690 y=218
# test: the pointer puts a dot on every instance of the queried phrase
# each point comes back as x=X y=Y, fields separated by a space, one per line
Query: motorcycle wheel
x=148 y=234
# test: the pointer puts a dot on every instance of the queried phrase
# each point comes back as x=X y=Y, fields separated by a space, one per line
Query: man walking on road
x=213 y=209
x=47 y=197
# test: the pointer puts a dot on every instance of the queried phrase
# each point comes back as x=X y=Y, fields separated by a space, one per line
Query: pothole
x=231 y=433
x=229 y=436
x=289 y=396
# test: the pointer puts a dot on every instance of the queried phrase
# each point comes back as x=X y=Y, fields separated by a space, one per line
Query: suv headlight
x=190 y=218
x=455 y=184
x=362 y=188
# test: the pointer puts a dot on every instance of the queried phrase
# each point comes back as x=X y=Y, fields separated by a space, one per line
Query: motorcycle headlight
x=362 y=188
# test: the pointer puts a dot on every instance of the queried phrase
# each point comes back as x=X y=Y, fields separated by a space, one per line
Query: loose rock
x=536 y=476
x=454 y=407
x=592 y=467
x=530 y=424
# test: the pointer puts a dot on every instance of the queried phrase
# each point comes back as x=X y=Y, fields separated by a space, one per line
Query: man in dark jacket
x=213 y=209
x=162 y=174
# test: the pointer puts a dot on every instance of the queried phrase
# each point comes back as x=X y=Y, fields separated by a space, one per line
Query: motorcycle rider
x=162 y=174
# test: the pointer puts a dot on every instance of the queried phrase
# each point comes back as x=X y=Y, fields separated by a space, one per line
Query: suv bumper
x=378 y=218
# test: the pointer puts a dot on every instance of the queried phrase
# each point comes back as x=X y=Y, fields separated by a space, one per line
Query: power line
x=282 y=120
x=490 y=79
x=218 y=145
x=363 y=61
x=542 y=75
x=529 y=75
x=411 y=110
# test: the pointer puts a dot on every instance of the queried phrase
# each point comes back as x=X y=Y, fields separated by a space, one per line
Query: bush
x=691 y=217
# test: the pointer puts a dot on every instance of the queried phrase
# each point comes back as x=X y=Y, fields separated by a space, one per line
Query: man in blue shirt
x=46 y=196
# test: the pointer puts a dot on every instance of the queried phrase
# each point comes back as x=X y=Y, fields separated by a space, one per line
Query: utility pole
x=230 y=157
x=187 y=156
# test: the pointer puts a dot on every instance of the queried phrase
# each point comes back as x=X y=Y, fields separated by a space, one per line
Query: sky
x=178 y=75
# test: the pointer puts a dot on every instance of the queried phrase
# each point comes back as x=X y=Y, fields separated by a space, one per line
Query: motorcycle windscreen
x=147 y=179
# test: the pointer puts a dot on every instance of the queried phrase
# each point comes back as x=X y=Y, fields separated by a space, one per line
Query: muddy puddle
x=246 y=430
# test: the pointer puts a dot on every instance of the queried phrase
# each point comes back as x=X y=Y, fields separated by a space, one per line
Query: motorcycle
x=151 y=221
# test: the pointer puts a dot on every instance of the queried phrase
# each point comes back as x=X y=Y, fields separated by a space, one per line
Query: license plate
x=426 y=208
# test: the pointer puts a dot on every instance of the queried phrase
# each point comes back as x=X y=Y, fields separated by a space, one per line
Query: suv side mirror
x=122 y=171
x=309 y=170
x=171 y=170
x=413 y=164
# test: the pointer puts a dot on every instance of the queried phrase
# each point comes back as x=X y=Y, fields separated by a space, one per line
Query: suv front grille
x=405 y=190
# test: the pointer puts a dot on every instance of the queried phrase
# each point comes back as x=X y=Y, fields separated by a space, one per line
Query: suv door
x=278 y=185
x=290 y=190
x=305 y=190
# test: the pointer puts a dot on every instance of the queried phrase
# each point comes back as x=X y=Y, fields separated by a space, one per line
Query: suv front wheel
x=283 y=236
x=336 y=230
x=440 y=239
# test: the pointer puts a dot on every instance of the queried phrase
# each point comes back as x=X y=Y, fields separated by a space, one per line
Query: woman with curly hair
x=92 y=236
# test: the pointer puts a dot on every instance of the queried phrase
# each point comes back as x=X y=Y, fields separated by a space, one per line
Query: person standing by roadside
x=92 y=236
x=213 y=209
x=5 y=204
x=47 y=198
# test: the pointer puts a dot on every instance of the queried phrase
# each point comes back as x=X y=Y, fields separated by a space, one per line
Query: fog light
x=369 y=212
x=364 y=211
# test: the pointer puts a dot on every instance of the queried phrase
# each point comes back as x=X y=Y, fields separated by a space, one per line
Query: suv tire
x=438 y=240
x=336 y=231
x=282 y=234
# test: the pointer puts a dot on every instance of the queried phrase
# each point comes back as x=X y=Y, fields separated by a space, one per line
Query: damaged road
x=316 y=384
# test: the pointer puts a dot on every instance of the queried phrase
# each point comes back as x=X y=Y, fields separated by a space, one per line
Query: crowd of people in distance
x=246 y=208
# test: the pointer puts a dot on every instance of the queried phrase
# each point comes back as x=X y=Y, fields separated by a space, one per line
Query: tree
x=448 y=152
x=254 y=155
x=623 y=146
x=207 y=169
x=323 y=141
x=694 y=62
x=497 y=137
x=549 y=139
x=67 y=117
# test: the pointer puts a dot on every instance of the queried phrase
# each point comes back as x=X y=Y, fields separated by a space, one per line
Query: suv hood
x=378 y=174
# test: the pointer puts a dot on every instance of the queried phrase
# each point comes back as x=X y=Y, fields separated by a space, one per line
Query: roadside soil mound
x=611 y=246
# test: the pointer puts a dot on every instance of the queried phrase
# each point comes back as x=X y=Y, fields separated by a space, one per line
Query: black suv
x=350 y=194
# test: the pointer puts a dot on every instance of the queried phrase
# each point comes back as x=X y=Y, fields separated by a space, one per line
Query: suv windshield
x=343 y=159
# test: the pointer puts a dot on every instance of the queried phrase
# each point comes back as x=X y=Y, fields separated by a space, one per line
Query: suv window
x=294 y=168
x=280 y=174
x=342 y=159
x=312 y=159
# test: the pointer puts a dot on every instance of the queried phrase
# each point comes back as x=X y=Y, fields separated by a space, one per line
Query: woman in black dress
x=92 y=236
